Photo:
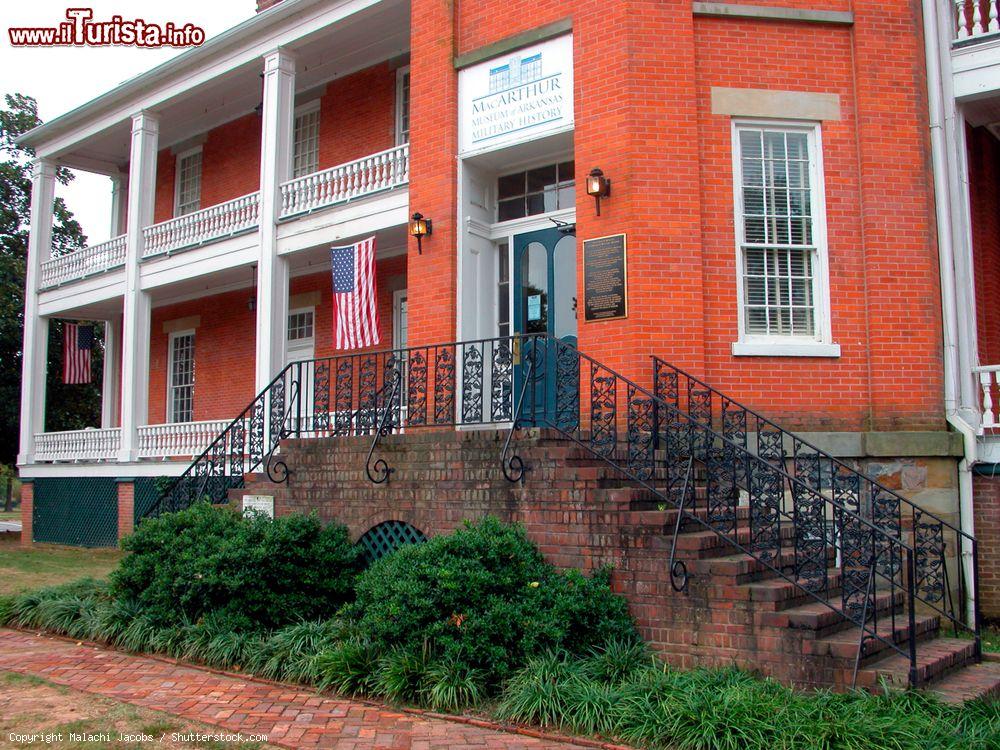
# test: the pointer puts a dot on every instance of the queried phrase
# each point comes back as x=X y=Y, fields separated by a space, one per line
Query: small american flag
x=78 y=341
x=355 y=302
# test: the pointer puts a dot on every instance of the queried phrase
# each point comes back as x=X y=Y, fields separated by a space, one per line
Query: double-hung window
x=180 y=382
x=305 y=148
x=781 y=241
x=188 y=190
x=403 y=106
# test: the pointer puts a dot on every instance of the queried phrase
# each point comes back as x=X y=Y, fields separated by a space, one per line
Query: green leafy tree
x=68 y=407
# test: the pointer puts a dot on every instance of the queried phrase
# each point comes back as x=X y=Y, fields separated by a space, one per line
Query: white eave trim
x=279 y=24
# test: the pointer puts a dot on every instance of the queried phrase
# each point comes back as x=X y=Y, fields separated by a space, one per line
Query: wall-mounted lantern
x=420 y=228
x=252 y=301
x=598 y=186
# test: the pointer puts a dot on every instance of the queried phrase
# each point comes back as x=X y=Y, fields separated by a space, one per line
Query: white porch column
x=272 y=271
x=34 y=364
x=112 y=372
x=119 y=198
x=136 y=319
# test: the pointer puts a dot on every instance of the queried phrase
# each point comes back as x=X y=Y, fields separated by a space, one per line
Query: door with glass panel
x=301 y=348
x=545 y=302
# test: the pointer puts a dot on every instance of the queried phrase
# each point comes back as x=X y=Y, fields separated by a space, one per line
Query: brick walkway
x=288 y=717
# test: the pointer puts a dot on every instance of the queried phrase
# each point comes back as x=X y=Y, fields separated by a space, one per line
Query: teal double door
x=545 y=302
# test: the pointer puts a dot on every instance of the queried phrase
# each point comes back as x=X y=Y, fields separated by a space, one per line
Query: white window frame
x=821 y=344
x=170 y=373
x=304 y=109
x=401 y=74
x=303 y=342
x=177 y=178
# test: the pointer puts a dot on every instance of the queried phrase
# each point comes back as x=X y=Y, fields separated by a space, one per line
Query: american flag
x=78 y=341
x=355 y=303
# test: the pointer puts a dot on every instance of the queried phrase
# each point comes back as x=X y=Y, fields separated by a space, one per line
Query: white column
x=112 y=372
x=136 y=319
x=272 y=271
x=36 y=328
x=119 y=198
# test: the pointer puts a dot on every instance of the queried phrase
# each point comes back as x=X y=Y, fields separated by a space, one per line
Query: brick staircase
x=734 y=541
x=582 y=513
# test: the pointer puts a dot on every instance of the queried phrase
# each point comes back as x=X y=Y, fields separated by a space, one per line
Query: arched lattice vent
x=388 y=537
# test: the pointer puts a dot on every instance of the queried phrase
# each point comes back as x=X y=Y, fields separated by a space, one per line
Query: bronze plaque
x=605 y=293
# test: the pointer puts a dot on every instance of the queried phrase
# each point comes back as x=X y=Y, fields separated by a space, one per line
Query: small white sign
x=260 y=503
x=516 y=97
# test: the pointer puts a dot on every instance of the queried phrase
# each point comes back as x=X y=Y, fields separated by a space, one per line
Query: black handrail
x=712 y=407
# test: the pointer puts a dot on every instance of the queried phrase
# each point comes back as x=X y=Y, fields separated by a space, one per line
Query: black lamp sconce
x=598 y=186
x=420 y=228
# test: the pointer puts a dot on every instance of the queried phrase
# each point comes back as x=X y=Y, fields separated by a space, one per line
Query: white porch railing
x=181 y=439
x=989 y=384
x=82 y=263
x=212 y=223
x=976 y=18
x=78 y=445
x=382 y=171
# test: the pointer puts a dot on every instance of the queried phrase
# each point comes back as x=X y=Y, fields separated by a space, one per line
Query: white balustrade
x=212 y=223
x=180 y=439
x=976 y=18
x=82 y=263
x=382 y=171
x=78 y=445
x=989 y=384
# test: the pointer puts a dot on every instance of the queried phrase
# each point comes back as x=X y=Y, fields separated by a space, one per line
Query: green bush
x=486 y=601
x=251 y=573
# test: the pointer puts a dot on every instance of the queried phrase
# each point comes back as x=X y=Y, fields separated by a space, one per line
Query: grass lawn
x=46 y=565
x=10 y=515
x=30 y=705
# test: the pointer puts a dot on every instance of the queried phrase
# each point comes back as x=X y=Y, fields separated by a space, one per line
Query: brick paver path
x=288 y=717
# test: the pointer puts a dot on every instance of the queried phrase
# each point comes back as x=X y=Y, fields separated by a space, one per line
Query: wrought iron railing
x=444 y=385
x=812 y=520
x=930 y=536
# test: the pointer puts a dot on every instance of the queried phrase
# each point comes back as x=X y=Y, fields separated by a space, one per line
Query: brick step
x=701 y=543
x=740 y=568
x=780 y=594
x=844 y=644
x=936 y=659
x=640 y=514
x=971 y=682
x=818 y=620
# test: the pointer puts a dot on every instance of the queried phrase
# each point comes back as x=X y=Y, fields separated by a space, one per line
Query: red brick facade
x=643 y=114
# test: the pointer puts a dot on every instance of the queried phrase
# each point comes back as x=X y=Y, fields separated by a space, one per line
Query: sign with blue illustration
x=517 y=97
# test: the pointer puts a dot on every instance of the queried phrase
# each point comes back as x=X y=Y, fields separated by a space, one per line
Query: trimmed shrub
x=485 y=600
x=250 y=573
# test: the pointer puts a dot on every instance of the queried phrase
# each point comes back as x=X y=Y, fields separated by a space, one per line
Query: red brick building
x=772 y=198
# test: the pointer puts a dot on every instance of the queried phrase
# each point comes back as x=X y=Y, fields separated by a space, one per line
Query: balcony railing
x=82 y=263
x=78 y=445
x=181 y=439
x=976 y=18
x=989 y=384
x=372 y=174
x=212 y=223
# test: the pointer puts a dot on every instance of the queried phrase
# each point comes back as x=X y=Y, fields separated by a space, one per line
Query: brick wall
x=984 y=200
x=986 y=514
x=27 y=512
x=224 y=341
x=643 y=115
x=126 y=508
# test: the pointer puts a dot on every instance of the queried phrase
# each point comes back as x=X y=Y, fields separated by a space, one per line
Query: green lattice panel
x=81 y=511
x=388 y=537
x=147 y=491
